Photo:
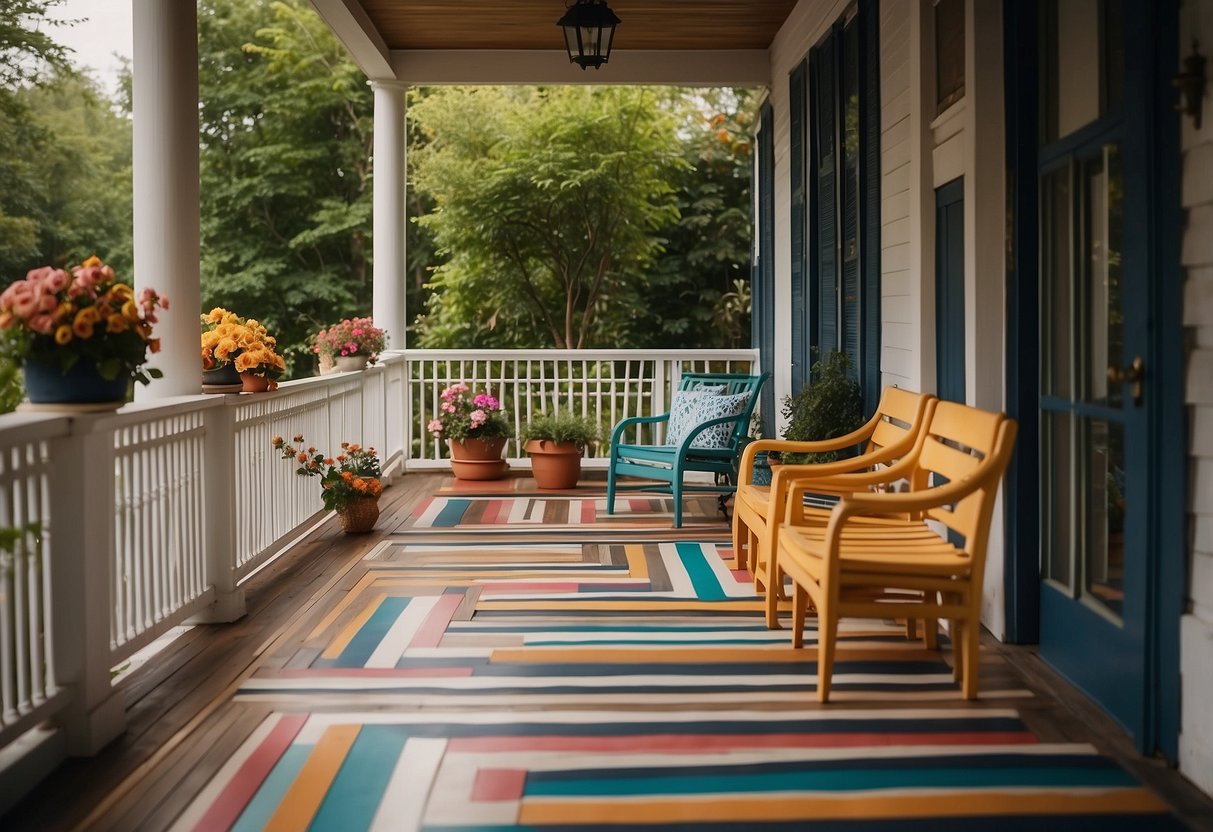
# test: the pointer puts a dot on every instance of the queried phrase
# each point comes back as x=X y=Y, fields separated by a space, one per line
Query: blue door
x=1097 y=362
x=950 y=291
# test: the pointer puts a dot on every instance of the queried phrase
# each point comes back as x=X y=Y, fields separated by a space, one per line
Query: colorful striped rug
x=527 y=515
x=521 y=683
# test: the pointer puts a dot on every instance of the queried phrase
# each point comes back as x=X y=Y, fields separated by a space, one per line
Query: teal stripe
x=265 y=802
x=358 y=788
x=364 y=642
x=620 y=641
x=703 y=579
x=451 y=513
x=600 y=784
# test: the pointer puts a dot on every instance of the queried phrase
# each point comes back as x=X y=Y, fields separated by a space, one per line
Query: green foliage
x=27 y=52
x=12 y=390
x=690 y=296
x=286 y=122
x=548 y=201
x=562 y=427
x=65 y=177
x=829 y=406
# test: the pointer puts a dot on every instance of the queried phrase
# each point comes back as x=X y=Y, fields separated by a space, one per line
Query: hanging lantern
x=589 y=28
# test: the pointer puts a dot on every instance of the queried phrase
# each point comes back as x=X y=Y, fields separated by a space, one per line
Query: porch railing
x=127 y=524
x=605 y=385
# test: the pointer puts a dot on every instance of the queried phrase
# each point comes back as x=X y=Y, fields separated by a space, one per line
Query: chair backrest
x=899 y=419
x=732 y=384
x=964 y=442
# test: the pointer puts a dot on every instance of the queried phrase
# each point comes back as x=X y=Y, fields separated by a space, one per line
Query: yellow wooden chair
x=905 y=568
x=889 y=436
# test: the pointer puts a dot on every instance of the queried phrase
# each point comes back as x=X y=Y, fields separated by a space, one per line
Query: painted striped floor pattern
x=515 y=682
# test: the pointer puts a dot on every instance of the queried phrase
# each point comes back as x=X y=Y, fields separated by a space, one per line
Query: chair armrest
x=624 y=424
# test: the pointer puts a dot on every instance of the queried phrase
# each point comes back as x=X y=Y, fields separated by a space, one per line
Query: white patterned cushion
x=690 y=409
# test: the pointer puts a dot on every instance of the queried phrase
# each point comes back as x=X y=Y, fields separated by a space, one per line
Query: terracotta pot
x=254 y=384
x=554 y=464
x=359 y=514
x=477 y=459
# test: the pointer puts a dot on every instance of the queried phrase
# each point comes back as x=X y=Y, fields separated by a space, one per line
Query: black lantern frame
x=589 y=30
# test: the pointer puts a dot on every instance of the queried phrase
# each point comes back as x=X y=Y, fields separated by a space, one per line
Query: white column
x=166 y=189
x=389 y=217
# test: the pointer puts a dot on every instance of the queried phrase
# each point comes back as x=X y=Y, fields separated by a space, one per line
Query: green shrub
x=562 y=427
x=828 y=406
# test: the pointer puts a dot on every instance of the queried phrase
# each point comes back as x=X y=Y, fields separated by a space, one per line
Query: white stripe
x=206 y=798
x=613 y=702
x=431 y=511
x=443 y=548
x=518 y=511
x=409 y=786
x=680 y=579
x=732 y=587
x=394 y=642
x=639 y=680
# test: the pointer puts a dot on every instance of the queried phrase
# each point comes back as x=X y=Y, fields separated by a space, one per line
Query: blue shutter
x=800 y=290
x=869 y=205
x=825 y=226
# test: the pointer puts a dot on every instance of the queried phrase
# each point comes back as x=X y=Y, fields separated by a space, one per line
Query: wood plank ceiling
x=531 y=24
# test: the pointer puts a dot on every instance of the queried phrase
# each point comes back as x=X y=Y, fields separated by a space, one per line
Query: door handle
x=1135 y=373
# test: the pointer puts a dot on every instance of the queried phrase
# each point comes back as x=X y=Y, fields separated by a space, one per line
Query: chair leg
x=827 y=635
x=610 y=497
x=740 y=530
x=772 y=605
x=676 y=491
x=972 y=646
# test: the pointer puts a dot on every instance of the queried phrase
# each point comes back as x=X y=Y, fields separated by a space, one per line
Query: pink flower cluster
x=461 y=415
x=353 y=336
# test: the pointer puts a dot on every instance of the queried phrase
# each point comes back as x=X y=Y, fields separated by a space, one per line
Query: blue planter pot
x=45 y=384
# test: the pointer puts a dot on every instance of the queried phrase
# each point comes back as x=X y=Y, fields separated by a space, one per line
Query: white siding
x=1196 y=633
x=898 y=289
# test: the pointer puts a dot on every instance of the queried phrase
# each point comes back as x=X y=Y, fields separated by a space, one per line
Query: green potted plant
x=475 y=428
x=830 y=405
x=556 y=443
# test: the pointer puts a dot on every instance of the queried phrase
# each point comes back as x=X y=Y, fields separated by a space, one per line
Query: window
x=949 y=53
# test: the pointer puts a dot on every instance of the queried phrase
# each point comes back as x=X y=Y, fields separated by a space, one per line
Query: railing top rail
x=586 y=355
x=19 y=428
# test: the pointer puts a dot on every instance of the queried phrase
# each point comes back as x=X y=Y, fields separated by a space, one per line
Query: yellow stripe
x=638 y=567
x=839 y=807
x=342 y=641
x=367 y=580
x=299 y=804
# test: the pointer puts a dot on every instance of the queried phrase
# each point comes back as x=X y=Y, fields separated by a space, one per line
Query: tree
x=286 y=170
x=548 y=201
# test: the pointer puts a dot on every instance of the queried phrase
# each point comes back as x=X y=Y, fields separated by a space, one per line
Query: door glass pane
x=1056 y=498
x=1082 y=43
x=1056 y=285
x=1103 y=233
x=1105 y=516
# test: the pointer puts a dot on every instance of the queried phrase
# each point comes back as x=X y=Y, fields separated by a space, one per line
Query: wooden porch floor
x=183 y=724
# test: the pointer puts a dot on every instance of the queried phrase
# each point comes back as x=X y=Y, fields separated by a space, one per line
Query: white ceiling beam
x=361 y=39
x=697 y=68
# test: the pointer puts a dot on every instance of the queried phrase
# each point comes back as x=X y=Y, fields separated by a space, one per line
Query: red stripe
x=431 y=631
x=226 y=809
x=356 y=673
x=589 y=511
x=498 y=784
x=491 y=511
x=421 y=507
x=697 y=743
x=640 y=505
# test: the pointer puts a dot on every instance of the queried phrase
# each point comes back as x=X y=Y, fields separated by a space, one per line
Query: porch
x=202 y=717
